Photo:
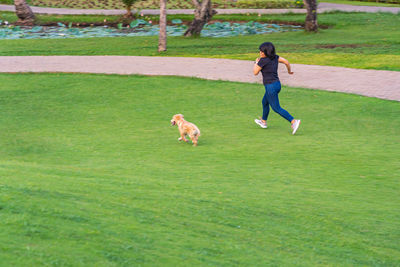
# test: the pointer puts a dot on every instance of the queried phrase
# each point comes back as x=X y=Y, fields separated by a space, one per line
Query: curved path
x=372 y=83
x=322 y=7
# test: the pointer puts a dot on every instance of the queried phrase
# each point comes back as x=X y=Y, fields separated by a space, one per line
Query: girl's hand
x=290 y=72
x=257 y=59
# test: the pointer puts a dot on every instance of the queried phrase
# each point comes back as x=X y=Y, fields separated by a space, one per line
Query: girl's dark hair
x=268 y=49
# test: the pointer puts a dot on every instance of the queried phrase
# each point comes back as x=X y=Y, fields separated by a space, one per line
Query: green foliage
x=7 y=2
x=128 y=5
x=359 y=3
x=138 y=22
x=380 y=1
x=92 y=174
x=176 y=21
x=299 y=3
x=152 y=4
x=264 y=4
x=129 y=2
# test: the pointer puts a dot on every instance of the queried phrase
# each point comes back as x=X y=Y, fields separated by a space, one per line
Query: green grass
x=92 y=174
x=355 y=40
x=360 y=3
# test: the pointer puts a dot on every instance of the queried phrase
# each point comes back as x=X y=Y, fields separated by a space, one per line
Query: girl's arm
x=284 y=61
x=256 y=68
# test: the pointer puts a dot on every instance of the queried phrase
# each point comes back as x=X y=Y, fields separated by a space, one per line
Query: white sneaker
x=295 y=126
x=261 y=123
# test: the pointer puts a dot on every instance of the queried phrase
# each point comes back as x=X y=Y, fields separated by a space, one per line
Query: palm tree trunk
x=24 y=13
x=311 y=18
x=162 y=36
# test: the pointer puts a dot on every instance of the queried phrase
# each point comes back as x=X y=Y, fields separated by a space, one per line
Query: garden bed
x=138 y=27
x=154 y=4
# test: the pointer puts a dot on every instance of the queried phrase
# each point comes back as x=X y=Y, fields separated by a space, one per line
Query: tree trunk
x=128 y=14
x=311 y=18
x=24 y=13
x=162 y=36
x=202 y=15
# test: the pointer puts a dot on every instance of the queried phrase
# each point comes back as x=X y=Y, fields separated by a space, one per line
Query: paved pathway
x=373 y=83
x=323 y=7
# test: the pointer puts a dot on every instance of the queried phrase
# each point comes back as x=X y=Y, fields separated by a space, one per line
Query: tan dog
x=186 y=128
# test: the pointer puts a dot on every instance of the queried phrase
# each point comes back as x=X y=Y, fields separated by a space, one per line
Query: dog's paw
x=180 y=139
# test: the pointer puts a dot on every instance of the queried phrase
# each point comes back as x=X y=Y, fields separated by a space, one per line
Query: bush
x=7 y=2
x=267 y=4
x=380 y=1
x=299 y=3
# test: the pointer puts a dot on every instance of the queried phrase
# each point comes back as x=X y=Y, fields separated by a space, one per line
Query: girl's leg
x=265 y=106
x=272 y=91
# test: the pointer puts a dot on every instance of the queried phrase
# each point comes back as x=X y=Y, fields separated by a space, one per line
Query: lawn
x=92 y=174
x=355 y=40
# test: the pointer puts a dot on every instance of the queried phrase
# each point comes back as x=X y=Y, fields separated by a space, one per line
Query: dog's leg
x=183 y=137
x=194 y=139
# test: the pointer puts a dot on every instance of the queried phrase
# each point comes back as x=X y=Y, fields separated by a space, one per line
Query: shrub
x=380 y=1
x=128 y=5
x=265 y=4
x=299 y=3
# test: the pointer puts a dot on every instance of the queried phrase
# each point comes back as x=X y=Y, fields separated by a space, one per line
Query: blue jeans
x=271 y=99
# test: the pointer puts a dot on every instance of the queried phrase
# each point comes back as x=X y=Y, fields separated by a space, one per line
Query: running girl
x=267 y=63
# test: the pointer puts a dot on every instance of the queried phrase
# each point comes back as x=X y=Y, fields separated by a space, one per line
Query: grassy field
x=355 y=40
x=92 y=174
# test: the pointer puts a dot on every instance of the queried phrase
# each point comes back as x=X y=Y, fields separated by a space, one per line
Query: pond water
x=139 y=28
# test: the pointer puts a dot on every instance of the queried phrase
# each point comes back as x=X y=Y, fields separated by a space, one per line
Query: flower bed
x=139 y=28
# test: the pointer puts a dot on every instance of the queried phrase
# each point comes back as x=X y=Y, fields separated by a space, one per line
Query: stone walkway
x=322 y=7
x=372 y=83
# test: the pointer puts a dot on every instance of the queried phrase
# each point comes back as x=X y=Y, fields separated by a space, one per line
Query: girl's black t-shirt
x=269 y=69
